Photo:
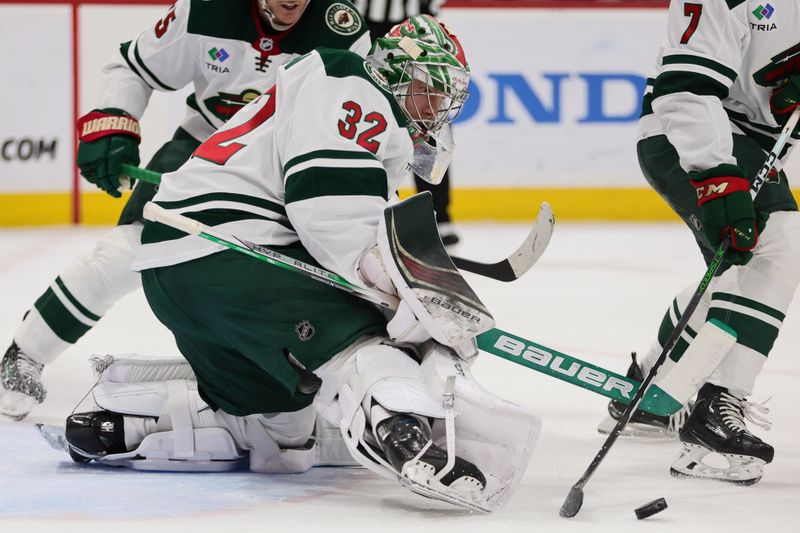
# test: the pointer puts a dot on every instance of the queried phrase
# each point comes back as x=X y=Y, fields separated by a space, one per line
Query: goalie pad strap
x=178 y=411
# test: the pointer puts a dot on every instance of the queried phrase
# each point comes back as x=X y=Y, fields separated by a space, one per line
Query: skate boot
x=448 y=234
x=717 y=425
x=21 y=386
x=421 y=464
x=94 y=435
x=643 y=424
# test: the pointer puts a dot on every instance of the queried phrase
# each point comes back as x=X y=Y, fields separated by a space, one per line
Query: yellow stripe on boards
x=620 y=204
x=42 y=209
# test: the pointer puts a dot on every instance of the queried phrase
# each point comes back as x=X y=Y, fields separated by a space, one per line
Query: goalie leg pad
x=470 y=422
x=369 y=371
x=189 y=436
x=186 y=437
x=495 y=434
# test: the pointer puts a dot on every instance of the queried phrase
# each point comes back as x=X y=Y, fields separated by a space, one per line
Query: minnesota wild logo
x=225 y=105
x=342 y=19
x=379 y=78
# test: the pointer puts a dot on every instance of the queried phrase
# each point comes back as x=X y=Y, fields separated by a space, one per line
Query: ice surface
x=597 y=293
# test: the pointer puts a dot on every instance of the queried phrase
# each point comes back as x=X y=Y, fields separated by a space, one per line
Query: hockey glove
x=726 y=208
x=784 y=99
x=406 y=328
x=108 y=138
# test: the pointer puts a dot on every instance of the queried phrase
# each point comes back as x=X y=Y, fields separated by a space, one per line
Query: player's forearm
x=123 y=89
x=698 y=128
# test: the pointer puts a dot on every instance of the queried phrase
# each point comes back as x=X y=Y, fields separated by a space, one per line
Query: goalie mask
x=427 y=72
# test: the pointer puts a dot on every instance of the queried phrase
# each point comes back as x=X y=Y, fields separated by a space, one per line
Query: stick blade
x=532 y=249
x=572 y=504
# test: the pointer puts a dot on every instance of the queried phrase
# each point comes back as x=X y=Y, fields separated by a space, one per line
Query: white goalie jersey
x=715 y=74
x=226 y=52
x=315 y=159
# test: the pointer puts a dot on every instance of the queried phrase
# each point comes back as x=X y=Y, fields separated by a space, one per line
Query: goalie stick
x=508 y=269
x=495 y=341
x=572 y=504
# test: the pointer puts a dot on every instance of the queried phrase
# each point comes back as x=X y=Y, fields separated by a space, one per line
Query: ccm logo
x=711 y=190
x=590 y=376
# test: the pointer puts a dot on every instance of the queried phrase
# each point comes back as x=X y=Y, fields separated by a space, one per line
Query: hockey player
x=309 y=168
x=229 y=50
x=726 y=80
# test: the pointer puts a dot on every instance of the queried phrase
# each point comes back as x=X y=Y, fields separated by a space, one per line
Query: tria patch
x=763 y=14
x=342 y=19
x=304 y=330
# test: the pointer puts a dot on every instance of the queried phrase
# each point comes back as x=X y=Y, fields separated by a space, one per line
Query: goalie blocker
x=426 y=280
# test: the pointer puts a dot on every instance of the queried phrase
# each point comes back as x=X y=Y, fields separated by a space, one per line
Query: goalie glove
x=108 y=138
x=372 y=272
x=726 y=208
x=404 y=327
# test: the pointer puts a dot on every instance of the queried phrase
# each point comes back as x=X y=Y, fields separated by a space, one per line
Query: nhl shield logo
x=304 y=330
x=266 y=44
x=342 y=19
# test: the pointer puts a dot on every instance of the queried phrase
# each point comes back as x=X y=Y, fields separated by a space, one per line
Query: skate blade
x=742 y=469
x=636 y=430
x=54 y=436
x=57 y=439
x=420 y=480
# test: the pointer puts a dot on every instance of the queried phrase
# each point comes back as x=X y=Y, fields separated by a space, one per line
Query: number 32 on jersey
x=363 y=128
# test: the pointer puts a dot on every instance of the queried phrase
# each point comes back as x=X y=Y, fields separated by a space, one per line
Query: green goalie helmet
x=426 y=69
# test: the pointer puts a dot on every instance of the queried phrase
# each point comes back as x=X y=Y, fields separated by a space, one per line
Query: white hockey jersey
x=715 y=74
x=226 y=51
x=315 y=159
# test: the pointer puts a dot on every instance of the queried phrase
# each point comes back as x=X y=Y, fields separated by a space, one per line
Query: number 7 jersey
x=715 y=74
x=316 y=158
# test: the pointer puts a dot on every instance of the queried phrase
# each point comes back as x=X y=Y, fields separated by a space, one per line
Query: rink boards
x=555 y=97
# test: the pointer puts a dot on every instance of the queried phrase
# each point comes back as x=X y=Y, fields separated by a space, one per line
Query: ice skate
x=643 y=424
x=716 y=431
x=448 y=234
x=421 y=464
x=21 y=386
x=94 y=435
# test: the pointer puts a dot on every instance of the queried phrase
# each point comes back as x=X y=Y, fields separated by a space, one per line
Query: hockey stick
x=523 y=258
x=495 y=341
x=509 y=269
x=574 y=501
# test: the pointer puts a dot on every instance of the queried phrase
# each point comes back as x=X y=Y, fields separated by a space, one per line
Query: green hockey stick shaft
x=495 y=341
x=142 y=174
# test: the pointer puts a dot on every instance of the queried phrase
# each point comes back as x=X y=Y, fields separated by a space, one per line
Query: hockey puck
x=651 y=508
